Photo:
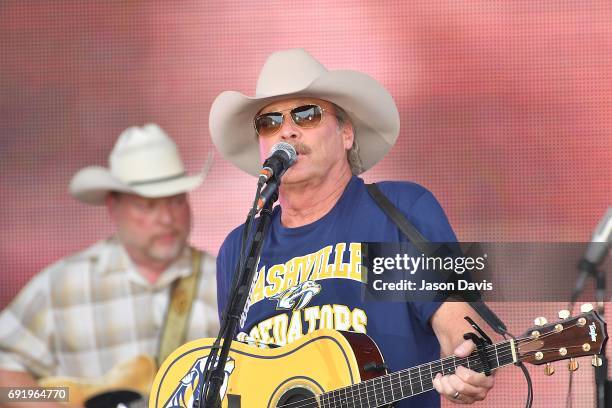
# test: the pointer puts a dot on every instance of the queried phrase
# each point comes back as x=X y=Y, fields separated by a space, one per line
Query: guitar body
x=268 y=377
x=127 y=383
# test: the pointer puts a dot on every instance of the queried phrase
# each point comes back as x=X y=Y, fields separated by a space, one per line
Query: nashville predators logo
x=298 y=296
x=188 y=388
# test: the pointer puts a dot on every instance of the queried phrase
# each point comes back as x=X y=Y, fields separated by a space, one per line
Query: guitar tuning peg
x=573 y=364
x=540 y=321
x=596 y=361
x=549 y=369
x=586 y=308
x=564 y=314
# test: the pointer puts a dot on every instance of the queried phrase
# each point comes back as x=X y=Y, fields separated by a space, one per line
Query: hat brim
x=369 y=105
x=91 y=185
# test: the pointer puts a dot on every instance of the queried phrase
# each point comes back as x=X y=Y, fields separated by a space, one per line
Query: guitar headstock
x=569 y=338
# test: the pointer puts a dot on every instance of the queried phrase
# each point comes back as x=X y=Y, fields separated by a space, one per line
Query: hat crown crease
x=145 y=154
x=287 y=72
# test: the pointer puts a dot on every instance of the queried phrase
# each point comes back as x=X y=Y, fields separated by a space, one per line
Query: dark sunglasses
x=304 y=116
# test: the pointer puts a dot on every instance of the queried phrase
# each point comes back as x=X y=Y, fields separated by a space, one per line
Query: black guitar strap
x=428 y=248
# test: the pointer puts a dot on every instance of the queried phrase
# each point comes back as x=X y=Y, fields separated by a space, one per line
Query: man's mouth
x=301 y=148
x=167 y=238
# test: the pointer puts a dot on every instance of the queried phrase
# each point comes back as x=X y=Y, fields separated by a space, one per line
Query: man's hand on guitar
x=465 y=386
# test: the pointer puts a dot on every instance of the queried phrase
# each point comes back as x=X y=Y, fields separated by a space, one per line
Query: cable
x=568 y=401
x=527 y=377
x=529 y=385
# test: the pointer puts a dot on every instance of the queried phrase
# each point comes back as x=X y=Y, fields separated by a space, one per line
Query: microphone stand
x=235 y=307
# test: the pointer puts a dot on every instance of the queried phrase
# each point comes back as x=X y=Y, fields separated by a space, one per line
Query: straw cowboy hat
x=144 y=161
x=292 y=73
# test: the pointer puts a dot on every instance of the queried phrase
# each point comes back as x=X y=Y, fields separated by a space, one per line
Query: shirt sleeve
x=429 y=218
x=421 y=208
x=26 y=337
x=423 y=312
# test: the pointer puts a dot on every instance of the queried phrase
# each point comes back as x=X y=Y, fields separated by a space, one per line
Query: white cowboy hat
x=144 y=161
x=292 y=73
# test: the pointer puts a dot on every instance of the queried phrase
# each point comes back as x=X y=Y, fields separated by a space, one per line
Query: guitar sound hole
x=121 y=398
x=295 y=395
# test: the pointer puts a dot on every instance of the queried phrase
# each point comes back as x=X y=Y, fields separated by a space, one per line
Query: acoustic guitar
x=126 y=385
x=327 y=368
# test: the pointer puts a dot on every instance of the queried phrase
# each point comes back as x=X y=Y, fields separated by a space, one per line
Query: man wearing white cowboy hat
x=102 y=306
x=341 y=123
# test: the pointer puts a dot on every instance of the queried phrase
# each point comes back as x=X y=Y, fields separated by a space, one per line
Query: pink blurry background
x=506 y=111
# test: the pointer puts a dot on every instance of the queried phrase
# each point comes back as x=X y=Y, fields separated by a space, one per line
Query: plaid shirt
x=86 y=313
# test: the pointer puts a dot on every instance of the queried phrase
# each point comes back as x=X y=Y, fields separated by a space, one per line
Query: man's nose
x=288 y=129
x=165 y=214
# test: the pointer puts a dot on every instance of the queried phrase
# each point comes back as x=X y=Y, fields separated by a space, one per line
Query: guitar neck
x=402 y=384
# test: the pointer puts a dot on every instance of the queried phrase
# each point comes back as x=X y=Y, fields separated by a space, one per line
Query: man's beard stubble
x=166 y=253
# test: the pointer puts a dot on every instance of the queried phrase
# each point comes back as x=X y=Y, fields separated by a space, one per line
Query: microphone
x=282 y=156
x=595 y=253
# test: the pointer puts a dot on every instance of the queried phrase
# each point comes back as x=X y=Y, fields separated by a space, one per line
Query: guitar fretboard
x=396 y=386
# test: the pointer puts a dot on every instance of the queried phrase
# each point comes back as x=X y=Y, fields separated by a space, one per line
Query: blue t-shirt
x=310 y=277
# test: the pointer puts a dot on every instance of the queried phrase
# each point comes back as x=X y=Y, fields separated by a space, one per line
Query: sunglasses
x=304 y=116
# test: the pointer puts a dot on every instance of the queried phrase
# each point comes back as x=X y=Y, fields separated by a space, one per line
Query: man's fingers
x=463 y=387
x=465 y=349
x=469 y=393
x=443 y=385
x=474 y=378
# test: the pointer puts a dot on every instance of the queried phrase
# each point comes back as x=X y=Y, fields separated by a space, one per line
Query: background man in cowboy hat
x=341 y=123
x=104 y=305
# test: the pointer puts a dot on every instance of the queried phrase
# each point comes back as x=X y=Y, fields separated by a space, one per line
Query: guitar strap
x=183 y=292
x=428 y=248
x=414 y=236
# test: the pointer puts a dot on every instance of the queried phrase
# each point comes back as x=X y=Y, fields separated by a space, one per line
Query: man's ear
x=348 y=135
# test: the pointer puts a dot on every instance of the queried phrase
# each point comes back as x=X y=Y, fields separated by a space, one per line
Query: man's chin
x=166 y=253
x=296 y=175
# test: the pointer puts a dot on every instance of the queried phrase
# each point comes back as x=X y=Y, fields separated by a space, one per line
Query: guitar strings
x=385 y=390
x=527 y=340
x=427 y=382
x=387 y=387
x=358 y=397
x=327 y=399
x=357 y=394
